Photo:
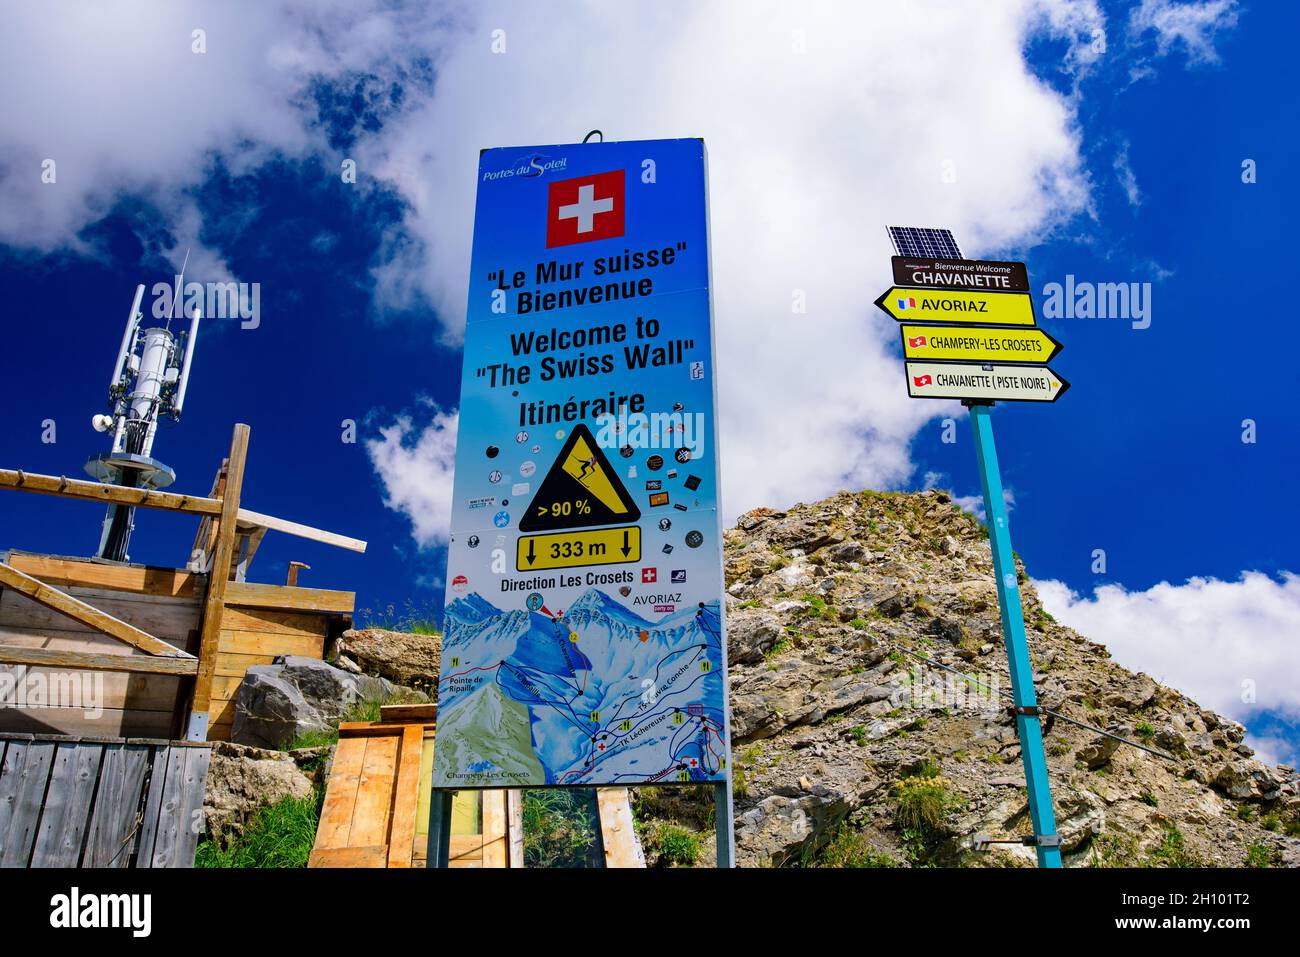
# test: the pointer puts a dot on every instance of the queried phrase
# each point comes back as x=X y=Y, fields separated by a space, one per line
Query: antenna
x=191 y=339
x=150 y=378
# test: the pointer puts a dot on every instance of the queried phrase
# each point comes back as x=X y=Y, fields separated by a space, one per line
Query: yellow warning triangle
x=580 y=490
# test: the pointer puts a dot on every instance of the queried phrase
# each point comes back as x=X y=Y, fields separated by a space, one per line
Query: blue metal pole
x=1013 y=633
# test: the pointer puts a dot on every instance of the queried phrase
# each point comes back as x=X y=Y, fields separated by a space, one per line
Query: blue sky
x=1114 y=165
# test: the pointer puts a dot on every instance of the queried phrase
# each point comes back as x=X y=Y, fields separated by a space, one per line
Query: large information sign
x=583 y=641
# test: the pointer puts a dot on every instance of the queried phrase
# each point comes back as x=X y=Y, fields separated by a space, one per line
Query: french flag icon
x=908 y=303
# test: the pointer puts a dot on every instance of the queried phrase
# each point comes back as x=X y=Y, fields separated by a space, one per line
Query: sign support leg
x=439 y=849
x=1047 y=843
x=724 y=820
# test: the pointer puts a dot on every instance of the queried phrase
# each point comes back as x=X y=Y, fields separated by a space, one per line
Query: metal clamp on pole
x=1029 y=711
x=1042 y=840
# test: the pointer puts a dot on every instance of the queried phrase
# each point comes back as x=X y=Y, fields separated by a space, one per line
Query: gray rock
x=776 y=831
x=243 y=780
x=278 y=703
x=1098 y=752
x=751 y=632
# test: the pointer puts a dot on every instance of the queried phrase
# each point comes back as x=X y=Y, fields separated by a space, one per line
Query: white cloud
x=1192 y=26
x=416 y=463
x=1206 y=637
x=1127 y=178
x=811 y=154
x=116 y=96
x=975 y=503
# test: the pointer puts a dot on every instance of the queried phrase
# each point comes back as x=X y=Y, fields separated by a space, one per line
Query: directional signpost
x=583 y=643
x=969 y=333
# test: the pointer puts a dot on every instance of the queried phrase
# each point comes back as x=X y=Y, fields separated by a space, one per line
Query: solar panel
x=922 y=241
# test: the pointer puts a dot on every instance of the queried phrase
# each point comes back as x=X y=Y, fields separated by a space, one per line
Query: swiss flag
x=649 y=575
x=916 y=341
x=584 y=208
x=920 y=380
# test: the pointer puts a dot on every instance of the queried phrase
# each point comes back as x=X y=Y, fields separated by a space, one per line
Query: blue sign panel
x=583 y=638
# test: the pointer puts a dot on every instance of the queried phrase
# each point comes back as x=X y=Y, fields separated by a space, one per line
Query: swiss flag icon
x=584 y=208
x=922 y=380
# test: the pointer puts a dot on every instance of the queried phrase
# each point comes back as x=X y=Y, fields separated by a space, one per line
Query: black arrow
x=532 y=552
x=626 y=548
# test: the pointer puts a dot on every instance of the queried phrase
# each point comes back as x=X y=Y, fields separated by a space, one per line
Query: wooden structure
x=75 y=802
x=166 y=648
x=376 y=811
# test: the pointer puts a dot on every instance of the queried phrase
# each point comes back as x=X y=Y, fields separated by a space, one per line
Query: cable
x=1055 y=714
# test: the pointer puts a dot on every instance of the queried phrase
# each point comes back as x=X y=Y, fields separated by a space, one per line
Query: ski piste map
x=583 y=638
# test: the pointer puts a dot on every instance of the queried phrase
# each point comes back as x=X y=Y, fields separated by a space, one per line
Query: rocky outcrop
x=829 y=605
x=242 y=780
x=403 y=658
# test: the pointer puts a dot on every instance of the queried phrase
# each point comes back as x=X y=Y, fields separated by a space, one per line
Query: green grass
x=558 y=828
x=849 y=848
x=1261 y=855
x=412 y=619
x=858 y=623
x=921 y=803
x=367 y=709
x=1173 y=852
x=675 y=846
x=281 y=835
x=1145 y=731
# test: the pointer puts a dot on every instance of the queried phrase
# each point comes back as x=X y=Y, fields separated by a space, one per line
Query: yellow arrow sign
x=595 y=546
x=976 y=344
x=958 y=305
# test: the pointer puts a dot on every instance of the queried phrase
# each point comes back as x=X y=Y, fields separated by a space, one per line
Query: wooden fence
x=77 y=802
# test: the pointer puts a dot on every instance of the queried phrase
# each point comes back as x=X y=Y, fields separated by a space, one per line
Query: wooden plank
x=160 y=765
x=141 y=664
x=21 y=481
x=257 y=519
x=247 y=643
x=466 y=850
x=400 y=713
x=515 y=824
x=373 y=856
x=67 y=805
x=115 y=822
x=236 y=666
x=139 y=579
x=90 y=691
x=335 y=827
x=218 y=583
x=268 y=621
x=66 y=639
x=406 y=797
x=617 y=832
x=247 y=594
x=495 y=841
x=22 y=793
x=175 y=834
x=373 y=811
x=113 y=722
x=171 y=619
x=189 y=808
x=79 y=611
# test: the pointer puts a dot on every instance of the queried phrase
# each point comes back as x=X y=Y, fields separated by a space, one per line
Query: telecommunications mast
x=149 y=382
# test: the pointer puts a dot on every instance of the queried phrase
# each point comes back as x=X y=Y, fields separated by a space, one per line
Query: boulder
x=277 y=703
x=776 y=830
x=750 y=633
x=243 y=780
x=406 y=659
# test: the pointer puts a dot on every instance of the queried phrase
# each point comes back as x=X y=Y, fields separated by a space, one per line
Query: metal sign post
x=1046 y=840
